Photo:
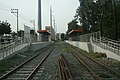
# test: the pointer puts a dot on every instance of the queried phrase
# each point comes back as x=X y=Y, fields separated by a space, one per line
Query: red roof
x=46 y=32
x=75 y=31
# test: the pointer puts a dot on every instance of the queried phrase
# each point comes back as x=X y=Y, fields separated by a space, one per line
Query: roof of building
x=45 y=32
x=74 y=31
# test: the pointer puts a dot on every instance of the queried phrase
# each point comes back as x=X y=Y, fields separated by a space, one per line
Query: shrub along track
x=27 y=69
x=95 y=68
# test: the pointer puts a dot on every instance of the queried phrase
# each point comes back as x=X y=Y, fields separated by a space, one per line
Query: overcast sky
x=63 y=11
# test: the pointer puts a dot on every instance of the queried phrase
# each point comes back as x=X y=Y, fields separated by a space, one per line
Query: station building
x=74 y=35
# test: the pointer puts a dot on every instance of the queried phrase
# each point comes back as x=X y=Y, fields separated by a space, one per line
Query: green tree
x=14 y=35
x=5 y=28
x=73 y=25
x=100 y=15
x=89 y=15
x=62 y=36
x=20 y=33
x=32 y=31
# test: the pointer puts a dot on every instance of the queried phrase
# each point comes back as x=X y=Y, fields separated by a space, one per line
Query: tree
x=13 y=34
x=89 y=15
x=62 y=36
x=20 y=33
x=100 y=15
x=32 y=31
x=73 y=25
x=5 y=28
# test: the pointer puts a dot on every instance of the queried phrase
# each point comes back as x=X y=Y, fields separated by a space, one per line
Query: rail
x=64 y=72
x=5 y=76
x=97 y=65
x=37 y=67
x=95 y=76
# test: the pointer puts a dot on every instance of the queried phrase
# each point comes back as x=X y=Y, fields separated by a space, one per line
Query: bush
x=98 y=55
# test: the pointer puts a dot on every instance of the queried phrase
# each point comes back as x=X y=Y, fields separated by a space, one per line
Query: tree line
x=98 y=15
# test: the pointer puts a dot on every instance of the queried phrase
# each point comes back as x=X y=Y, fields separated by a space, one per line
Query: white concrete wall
x=12 y=50
x=84 y=46
x=108 y=53
x=22 y=48
x=81 y=45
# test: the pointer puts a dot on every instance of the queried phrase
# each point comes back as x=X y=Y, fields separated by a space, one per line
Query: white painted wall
x=108 y=53
x=81 y=45
x=10 y=51
x=84 y=46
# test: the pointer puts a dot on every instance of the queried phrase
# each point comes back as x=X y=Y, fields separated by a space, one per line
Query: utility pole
x=50 y=18
x=54 y=27
x=39 y=20
x=33 y=21
x=39 y=15
x=54 y=24
x=15 y=11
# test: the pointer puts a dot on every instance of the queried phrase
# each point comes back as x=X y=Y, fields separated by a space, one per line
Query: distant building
x=58 y=36
x=45 y=35
x=27 y=34
x=33 y=35
x=52 y=31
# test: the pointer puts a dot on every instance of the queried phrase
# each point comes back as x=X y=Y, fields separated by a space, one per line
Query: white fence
x=5 y=51
x=103 y=42
x=107 y=44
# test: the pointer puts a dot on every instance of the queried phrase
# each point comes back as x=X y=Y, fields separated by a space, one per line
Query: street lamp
x=15 y=11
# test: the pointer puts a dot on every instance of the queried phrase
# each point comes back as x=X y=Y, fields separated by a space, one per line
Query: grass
x=6 y=64
x=94 y=55
x=12 y=61
x=98 y=55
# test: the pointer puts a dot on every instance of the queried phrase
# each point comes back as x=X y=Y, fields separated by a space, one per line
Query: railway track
x=95 y=68
x=64 y=72
x=29 y=68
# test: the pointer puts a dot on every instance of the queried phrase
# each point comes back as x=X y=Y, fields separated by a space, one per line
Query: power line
x=7 y=8
x=6 y=12
x=5 y=5
x=23 y=17
x=73 y=1
x=4 y=9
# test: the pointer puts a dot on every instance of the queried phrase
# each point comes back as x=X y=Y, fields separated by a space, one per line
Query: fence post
x=3 y=55
x=118 y=47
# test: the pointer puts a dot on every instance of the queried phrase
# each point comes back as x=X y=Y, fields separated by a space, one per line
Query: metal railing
x=11 y=48
x=107 y=44
x=103 y=42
